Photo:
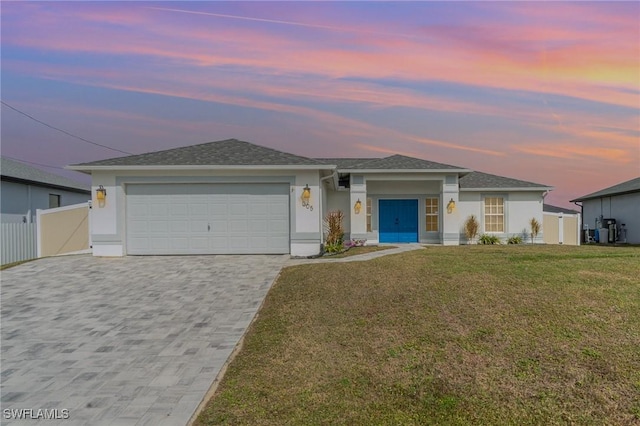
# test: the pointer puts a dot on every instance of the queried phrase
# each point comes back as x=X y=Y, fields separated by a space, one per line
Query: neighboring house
x=237 y=197
x=26 y=189
x=620 y=202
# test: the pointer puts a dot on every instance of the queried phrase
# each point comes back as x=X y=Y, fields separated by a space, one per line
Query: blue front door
x=398 y=221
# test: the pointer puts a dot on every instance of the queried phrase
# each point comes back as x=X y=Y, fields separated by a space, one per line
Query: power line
x=31 y=162
x=63 y=131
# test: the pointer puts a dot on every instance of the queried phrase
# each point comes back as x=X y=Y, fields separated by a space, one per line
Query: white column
x=358 y=191
x=450 y=217
x=306 y=233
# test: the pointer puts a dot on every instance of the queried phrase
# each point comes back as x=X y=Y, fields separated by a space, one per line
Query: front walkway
x=398 y=248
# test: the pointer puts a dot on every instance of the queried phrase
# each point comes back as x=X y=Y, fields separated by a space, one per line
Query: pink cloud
x=491 y=58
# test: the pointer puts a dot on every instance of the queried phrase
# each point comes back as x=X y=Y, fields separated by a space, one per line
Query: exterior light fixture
x=306 y=197
x=101 y=193
x=357 y=207
x=451 y=206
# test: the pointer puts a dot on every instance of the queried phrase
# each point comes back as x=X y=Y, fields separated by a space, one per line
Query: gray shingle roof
x=479 y=180
x=393 y=162
x=627 y=187
x=555 y=209
x=16 y=170
x=230 y=152
x=345 y=163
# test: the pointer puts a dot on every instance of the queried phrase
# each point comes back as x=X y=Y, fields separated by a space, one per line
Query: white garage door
x=207 y=219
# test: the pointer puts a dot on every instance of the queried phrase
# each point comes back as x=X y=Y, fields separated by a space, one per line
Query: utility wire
x=63 y=131
x=31 y=162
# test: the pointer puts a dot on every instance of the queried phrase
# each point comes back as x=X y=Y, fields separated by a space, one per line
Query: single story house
x=24 y=189
x=620 y=203
x=234 y=197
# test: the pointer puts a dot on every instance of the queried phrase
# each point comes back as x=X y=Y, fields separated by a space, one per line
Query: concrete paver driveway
x=123 y=341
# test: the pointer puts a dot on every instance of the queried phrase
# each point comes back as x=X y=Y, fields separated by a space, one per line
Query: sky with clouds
x=547 y=92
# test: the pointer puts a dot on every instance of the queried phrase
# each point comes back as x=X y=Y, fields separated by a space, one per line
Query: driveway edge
x=236 y=350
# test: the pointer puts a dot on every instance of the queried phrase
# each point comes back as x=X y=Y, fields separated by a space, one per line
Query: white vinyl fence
x=19 y=242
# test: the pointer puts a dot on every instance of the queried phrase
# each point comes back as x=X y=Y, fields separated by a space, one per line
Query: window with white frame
x=431 y=213
x=494 y=214
x=368 y=214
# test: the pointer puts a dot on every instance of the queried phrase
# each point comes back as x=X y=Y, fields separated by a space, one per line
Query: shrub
x=333 y=248
x=471 y=227
x=516 y=239
x=334 y=230
x=488 y=239
x=535 y=228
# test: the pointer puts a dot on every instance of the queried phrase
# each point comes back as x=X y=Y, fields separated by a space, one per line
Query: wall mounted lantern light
x=306 y=197
x=101 y=193
x=357 y=207
x=451 y=206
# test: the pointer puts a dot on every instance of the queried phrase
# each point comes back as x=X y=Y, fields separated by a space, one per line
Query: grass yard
x=493 y=335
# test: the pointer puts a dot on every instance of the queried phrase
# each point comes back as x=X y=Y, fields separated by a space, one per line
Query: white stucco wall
x=624 y=208
x=307 y=220
x=339 y=200
x=104 y=213
x=375 y=187
x=358 y=222
x=451 y=218
x=520 y=207
x=306 y=235
x=470 y=203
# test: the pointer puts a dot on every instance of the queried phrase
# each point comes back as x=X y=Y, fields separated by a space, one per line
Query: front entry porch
x=398 y=221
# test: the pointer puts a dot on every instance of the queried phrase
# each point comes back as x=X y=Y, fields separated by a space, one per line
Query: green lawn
x=497 y=335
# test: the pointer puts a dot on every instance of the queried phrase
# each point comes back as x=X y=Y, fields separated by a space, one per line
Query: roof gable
x=393 y=162
x=230 y=152
x=480 y=180
x=16 y=170
x=629 y=186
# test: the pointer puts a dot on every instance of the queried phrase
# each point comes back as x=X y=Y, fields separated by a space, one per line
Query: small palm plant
x=471 y=228
x=335 y=231
x=535 y=228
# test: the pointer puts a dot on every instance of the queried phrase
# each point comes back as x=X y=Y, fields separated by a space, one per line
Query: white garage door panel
x=207 y=218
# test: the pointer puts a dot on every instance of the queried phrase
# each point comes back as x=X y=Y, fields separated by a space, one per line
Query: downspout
x=333 y=175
